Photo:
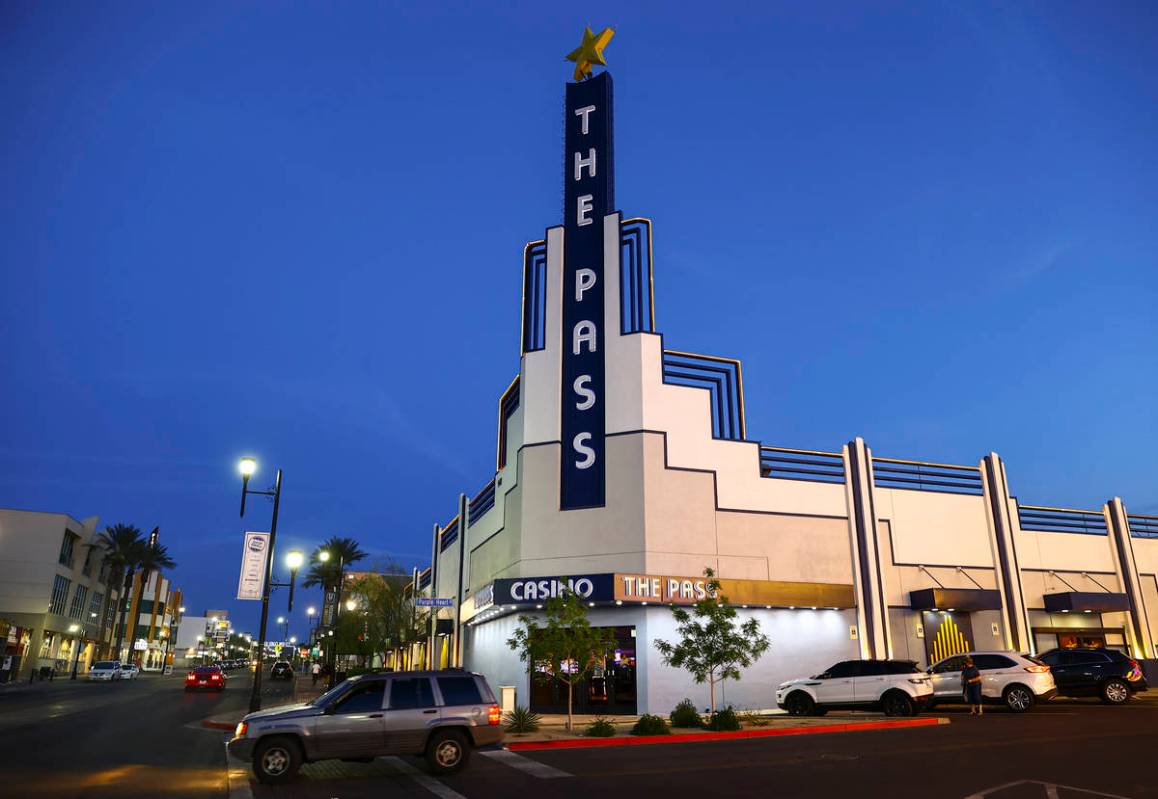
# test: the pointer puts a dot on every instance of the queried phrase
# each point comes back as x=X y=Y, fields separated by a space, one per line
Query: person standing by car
x=971 y=681
x=315 y=672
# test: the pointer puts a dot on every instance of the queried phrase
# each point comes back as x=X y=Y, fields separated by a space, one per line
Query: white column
x=1003 y=529
x=1138 y=632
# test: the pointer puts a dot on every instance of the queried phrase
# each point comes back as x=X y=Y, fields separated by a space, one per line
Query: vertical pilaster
x=431 y=643
x=868 y=576
x=1122 y=546
x=1002 y=539
x=463 y=525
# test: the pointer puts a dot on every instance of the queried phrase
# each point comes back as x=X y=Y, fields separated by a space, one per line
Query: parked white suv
x=897 y=687
x=105 y=670
x=1017 y=681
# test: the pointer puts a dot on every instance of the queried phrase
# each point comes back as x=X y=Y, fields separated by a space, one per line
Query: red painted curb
x=643 y=740
x=218 y=725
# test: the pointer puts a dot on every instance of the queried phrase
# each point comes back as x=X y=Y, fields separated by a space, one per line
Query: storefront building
x=626 y=468
x=56 y=599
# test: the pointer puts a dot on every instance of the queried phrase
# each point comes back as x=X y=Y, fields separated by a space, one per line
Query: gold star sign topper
x=590 y=52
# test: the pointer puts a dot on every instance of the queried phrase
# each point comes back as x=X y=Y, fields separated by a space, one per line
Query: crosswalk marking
x=425 y=780
x=532 y=767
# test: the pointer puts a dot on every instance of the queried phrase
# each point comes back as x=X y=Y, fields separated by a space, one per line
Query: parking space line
x=532 y=767
x=237 y=777
x=425 y=780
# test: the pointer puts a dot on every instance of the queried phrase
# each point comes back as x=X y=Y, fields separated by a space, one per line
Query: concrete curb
x=237 y=777
x=210 y=724
x=645 y=740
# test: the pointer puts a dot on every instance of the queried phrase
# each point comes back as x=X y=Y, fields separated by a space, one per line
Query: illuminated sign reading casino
x=588 y=195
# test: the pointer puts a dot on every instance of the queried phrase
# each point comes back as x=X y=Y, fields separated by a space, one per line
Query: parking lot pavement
x=1068 y=749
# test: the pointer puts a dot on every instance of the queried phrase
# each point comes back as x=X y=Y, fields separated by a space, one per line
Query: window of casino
x=610 y=687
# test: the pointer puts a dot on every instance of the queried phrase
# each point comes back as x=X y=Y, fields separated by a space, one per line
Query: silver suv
x=1017 y=681
x=440 y=714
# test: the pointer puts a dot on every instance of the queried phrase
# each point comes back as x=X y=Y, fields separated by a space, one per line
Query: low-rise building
x=56 y=603
x=625 y=467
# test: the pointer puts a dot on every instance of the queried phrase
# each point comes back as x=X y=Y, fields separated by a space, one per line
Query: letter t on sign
x=584 y=112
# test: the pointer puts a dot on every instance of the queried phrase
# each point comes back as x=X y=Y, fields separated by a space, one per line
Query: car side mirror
x=824 y=675
x=929 y=670
x=329 y=710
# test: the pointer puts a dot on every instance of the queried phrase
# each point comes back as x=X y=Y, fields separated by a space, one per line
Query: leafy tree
x=566 y=649
x=121 y=544
x=150 y=557
x=713 y=646
x=389 y=619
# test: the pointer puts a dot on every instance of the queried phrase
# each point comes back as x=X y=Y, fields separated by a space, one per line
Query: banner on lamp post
x=251 y=583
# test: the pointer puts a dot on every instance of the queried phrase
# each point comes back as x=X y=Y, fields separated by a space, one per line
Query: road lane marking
x=1051 y=790
x=425 y=780
x=532 y=767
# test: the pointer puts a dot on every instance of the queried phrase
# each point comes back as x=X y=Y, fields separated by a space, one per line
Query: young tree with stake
x=567 y=648
x=713 y=646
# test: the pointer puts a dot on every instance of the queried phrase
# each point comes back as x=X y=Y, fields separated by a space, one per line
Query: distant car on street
x=897 y=687
x=105 y=670
x=281 y=670
x=208 y=678
x=1017 y=681
x=1106 y=673
x=443 y=715
x=129 y=671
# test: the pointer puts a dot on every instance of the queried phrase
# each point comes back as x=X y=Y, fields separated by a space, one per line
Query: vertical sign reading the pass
x=588 y=195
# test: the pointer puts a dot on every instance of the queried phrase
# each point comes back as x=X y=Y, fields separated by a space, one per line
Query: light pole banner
x=253 y=566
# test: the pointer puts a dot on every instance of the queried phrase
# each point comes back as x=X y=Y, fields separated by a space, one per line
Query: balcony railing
x=1061 y=520
x=918 y=476
x=483 y=501
x=801 y=464
x=1143 y=526
x=723 y=379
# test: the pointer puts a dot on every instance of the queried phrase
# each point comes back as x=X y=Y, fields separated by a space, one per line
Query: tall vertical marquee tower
x=624 y=469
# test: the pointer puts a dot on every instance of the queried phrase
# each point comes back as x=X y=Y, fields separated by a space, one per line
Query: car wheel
x=1018 y=698
x=1115 y=692
x=897 y=703
x=276 y=760
x=799 y=704
x=447 y=752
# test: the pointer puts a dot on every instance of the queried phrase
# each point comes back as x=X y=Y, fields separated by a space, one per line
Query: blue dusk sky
x=295 y=230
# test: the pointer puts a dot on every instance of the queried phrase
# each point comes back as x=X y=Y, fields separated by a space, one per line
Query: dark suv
x=1107 y=673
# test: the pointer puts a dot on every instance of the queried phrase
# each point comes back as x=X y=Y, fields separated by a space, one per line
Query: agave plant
x=521 y=720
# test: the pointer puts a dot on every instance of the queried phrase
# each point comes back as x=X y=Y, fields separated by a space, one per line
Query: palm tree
x=121 y=544
x=343 y=552
x=151 y=557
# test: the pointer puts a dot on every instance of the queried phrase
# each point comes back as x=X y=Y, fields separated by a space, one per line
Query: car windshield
x=103 y=664
x=206 y=670
x=333 y=692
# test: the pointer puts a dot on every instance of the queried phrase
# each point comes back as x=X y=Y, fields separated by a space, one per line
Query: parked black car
x=1107 y=673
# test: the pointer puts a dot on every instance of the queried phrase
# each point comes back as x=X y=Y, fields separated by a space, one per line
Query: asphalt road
x=1070 y=749
x=140 y=738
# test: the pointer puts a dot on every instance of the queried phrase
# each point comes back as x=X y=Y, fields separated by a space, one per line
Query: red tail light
x=191 y=678
x=494 y=715
x=1037 y=669
x=215 y=677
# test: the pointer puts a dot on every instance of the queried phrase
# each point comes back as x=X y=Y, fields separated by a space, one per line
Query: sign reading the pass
x=253 y=566
x=588 y=195
x=434 y=602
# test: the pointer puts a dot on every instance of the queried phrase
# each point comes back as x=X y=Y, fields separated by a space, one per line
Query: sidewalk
x=552 y=728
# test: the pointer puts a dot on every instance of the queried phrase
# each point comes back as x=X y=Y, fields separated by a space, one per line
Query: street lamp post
x=248 y=466
x=324 y=556
x=75 y=629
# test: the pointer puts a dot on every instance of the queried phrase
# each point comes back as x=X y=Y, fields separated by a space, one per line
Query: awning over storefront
x=955 y=599
x=1082 y=601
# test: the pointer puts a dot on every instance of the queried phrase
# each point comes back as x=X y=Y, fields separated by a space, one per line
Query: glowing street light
x=248 y=467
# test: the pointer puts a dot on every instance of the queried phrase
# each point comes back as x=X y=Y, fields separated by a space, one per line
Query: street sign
x=253 y=554
x=434 y=602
